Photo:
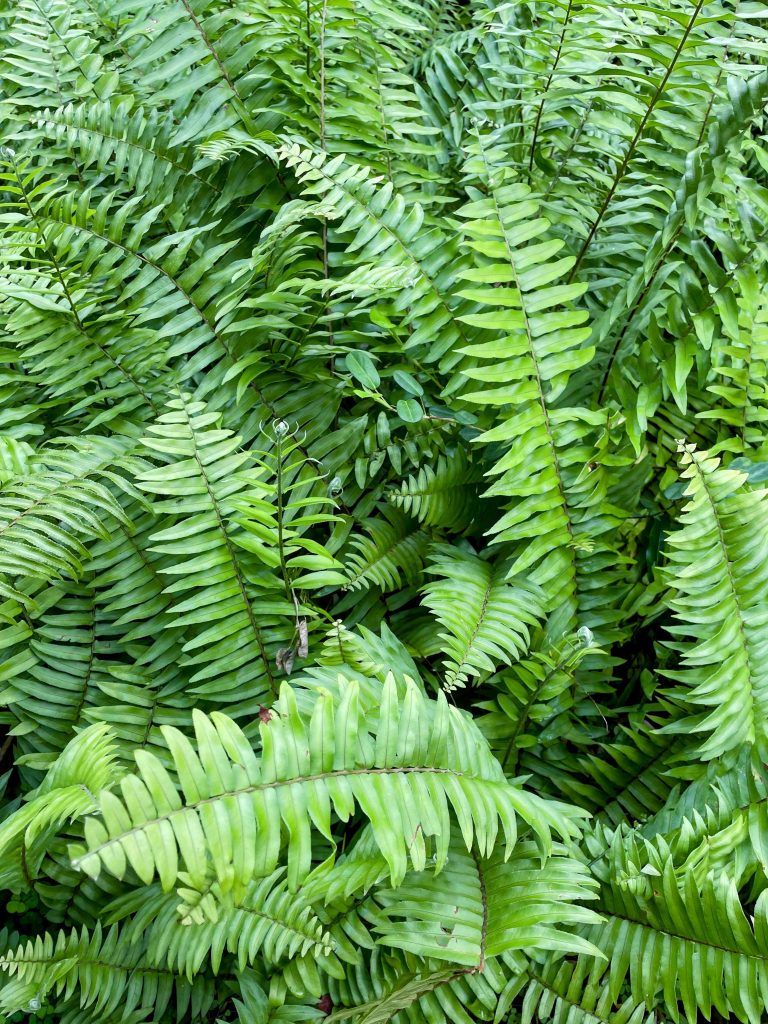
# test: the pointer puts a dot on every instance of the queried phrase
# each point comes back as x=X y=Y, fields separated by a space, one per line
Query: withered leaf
x=284 y=659
x=302 y=649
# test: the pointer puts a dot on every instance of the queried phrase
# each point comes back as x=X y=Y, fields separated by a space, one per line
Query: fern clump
x=383 y=524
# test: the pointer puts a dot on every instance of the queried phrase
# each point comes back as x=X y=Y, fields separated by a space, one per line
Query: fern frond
x=395 y=549
x=561 y=990
x=84 y=767
x=204 y=465
x=530 y=698
x=191 y=47
x=46 y=514
x=97 y=967
x=719 y=578
x=476 y=909
x=668 y=72
x=739 y=368
x=380 y=226
x=134 y=145
x=146 y=271
x=549 y=475
x=633 y=776
x=423 y=990
x=443 y=496
x=340 y=767
x=488 y=619
x=699 y=933
x=55 y=690
x=190 y=928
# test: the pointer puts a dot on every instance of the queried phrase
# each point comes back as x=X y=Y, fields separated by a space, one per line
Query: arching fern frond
x=481 y=908
x=46 y=514
x=395 y=549
x=195 y=59
x=715 y=953
x=116 y=245
x=190 y=928
x=633 y=775
x=720 y=582
x=561 y=990
x=135 y=146
x=739 y=367
x=84 y=767
x=330 y=764
x=56 y=688
x=99 y=971
x=488 y=619
x=205 y=466
x=380 y=226
x=443 y=496
x=538 y=340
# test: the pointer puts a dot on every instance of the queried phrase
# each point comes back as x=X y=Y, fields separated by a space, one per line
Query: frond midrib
x=337 y=773
x=695 y=940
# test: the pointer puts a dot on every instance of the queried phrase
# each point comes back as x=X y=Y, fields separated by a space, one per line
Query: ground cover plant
x=383 y=530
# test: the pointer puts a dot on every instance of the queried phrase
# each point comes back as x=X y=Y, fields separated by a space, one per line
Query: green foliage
x=383 y=551
x=718 y=572
x=327 y=766
x=487 y=618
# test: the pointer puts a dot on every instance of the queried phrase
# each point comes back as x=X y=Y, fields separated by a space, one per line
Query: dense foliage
x=383 y=544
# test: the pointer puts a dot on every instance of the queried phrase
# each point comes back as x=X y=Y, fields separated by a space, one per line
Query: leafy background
x=383 y=544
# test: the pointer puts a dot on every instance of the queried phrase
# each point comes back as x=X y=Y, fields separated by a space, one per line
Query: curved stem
x=631 y=149
x=545 y=90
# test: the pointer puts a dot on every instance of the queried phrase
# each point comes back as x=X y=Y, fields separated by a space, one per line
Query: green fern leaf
x=333 y=764
x=395 y=549
x=719 y=575
x=487 y=618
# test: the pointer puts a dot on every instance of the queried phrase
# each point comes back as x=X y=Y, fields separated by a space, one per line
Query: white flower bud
x=585 y=635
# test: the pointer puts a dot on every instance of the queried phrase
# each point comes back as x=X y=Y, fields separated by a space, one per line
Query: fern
x=475 y=909
x=440 y=497
x=106 y=975
x=535 y=348
x=393 y=551
x=44 y=513
x=706 y=927
x=487 y=619
x=383 y=625
x=356 y=772
x=729 y=524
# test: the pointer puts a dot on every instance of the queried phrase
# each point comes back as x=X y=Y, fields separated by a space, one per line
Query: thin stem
x=280 y=536
x=547 y=84
x=624 y=165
